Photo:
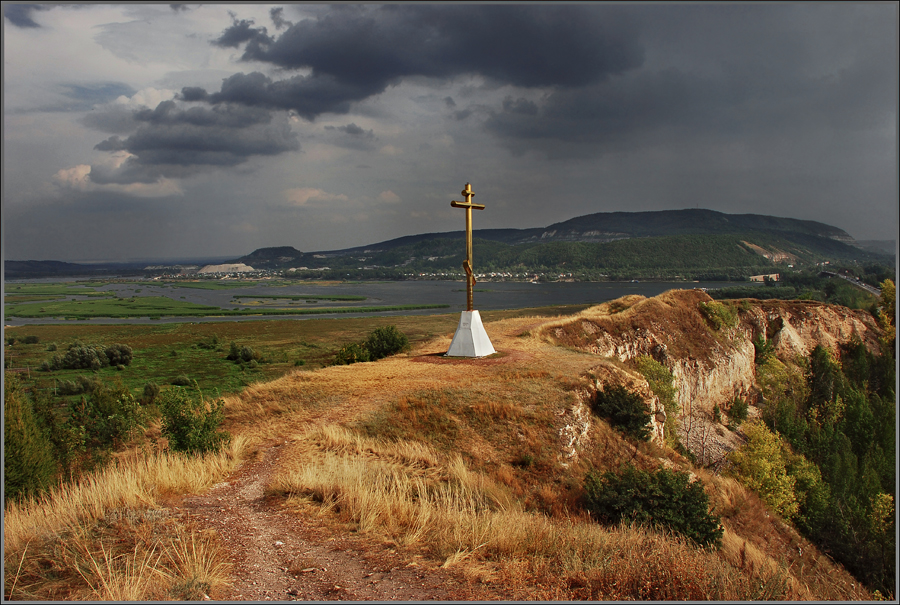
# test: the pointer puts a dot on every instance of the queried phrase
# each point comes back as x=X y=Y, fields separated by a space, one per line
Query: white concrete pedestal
x=470 y=339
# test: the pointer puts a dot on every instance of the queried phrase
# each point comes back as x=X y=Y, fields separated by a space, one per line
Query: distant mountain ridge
x=600 y=227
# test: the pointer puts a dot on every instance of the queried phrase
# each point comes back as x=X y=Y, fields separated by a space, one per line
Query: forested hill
x=614 y=245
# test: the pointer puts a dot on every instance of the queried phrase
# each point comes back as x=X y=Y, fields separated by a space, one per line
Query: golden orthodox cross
x=469 y=205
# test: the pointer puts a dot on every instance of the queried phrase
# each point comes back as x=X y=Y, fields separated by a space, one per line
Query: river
x=488 y=296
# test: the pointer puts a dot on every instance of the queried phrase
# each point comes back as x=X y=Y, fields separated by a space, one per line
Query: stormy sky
x=199 y=130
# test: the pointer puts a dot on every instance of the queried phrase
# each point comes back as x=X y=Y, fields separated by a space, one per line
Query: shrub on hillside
x=386 y=341
x=191 y=424
x=382 y=342
x=623 y=410
x=351 y=353
x=663 y=498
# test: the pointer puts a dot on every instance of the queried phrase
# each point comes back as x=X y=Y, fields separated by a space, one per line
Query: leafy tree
x=887 y=316
x=663 y=498
x=760 y=465
x=624 y=410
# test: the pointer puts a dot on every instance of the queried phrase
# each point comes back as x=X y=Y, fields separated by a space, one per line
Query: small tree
x=190 y=423
x=761 y=465
x=28 y=463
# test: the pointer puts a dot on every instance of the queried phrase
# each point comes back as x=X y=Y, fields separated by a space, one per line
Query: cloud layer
x=329 y=126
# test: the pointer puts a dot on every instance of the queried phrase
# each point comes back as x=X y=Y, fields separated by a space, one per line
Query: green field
x=301 y=297
x=161 y=306
x=163 y=352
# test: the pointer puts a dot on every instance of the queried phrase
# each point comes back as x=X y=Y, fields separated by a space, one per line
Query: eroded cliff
x=711 y=357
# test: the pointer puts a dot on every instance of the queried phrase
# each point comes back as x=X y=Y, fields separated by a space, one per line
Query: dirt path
x=280 y=555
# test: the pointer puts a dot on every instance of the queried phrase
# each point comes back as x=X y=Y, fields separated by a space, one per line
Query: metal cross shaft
x=469 y=205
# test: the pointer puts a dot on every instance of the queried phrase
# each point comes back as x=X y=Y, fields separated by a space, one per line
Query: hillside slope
x=517 y=426
x=438 y=478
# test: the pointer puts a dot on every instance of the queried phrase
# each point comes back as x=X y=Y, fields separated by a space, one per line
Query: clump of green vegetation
x=623 y=410
x=662 y=498
x=28 y=463
x=351 y=353
x=737 y=413
x=381 y=343
x=80 y=356
x=190 y=423
x=662 y=383
x=719 y=315
x=182 y=380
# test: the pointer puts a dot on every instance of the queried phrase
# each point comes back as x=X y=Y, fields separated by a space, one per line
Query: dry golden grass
x=106 y=537
x=464 y=518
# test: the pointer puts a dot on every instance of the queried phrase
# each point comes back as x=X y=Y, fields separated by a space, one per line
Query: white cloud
x=78 y=178
x=303 y=195
x=388 y=197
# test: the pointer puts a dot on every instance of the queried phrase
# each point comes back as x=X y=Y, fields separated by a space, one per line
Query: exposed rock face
x=710 y=366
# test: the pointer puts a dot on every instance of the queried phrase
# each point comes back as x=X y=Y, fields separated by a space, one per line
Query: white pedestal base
x=470 y=339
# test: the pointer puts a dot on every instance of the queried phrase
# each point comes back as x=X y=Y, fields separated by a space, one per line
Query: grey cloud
x=175 y=142
x=242 y=31
x=307 y=95
x=358 y=51
x=353 y=137
x=20 y=14
x=112 y=119
x=277 y=16
x=449 y=102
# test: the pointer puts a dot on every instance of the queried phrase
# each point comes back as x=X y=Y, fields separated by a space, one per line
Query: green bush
x=31 y=339
x=190 y=423
x=351 y=353
x=624 y=410
x=151 y=392
x=664 y=498
x=386 y=341
x=182 y=380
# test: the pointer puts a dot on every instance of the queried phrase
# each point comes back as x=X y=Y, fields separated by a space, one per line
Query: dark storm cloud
x=355 y=52
x=242 y=31
x=20 y=14
x=309 y=96
x=175 y=142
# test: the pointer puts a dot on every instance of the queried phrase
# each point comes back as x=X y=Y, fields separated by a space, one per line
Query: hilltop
x=427 y=477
